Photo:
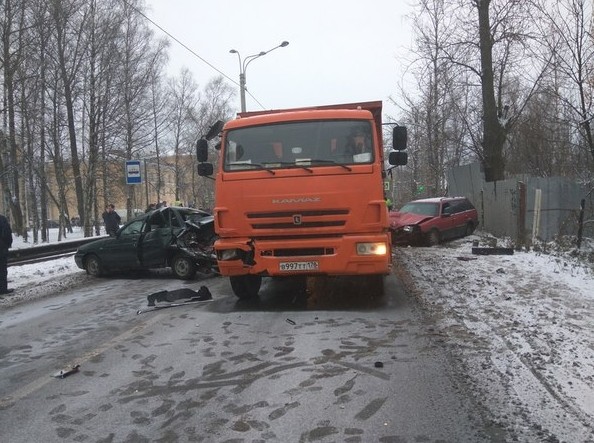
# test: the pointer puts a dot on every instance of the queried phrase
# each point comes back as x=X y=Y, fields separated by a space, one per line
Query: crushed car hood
x=399 y=219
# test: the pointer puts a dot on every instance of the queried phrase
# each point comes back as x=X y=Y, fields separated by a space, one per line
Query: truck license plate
x=299 y=266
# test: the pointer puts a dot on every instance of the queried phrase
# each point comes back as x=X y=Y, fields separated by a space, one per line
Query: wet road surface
x=333 y=363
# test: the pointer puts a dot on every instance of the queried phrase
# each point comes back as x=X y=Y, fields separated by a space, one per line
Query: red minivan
x=432 y=220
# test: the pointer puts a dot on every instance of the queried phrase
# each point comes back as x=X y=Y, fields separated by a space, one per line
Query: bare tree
x=184 y=97
x=215 y=105
x=567 y=27
x=436 y=111
x=492 y=40
x=70 y=19
x=160 y=125
x=101 y=101
x=433 y=104
x=11 y=57
x=42 y=32
x=140 y=57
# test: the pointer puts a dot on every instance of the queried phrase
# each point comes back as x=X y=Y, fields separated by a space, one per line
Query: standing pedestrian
x=5 y=245
x=112 y=220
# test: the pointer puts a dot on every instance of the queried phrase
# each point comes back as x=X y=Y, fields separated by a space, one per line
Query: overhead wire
x=190 y=50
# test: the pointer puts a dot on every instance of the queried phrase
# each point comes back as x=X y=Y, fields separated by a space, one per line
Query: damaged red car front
x=433 y=220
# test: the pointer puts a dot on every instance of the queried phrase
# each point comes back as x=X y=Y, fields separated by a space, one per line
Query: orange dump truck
x=300 y=192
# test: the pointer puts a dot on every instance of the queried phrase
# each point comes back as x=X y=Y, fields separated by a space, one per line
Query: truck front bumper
x=346 y=255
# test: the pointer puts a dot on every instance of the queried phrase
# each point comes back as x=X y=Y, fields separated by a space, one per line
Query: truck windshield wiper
x=292 y=165
x=257 y=165
x=331 y=162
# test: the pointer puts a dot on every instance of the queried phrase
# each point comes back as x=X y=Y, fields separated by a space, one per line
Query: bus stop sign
x=133 y=176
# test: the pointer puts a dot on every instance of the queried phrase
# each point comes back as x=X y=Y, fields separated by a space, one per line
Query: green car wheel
x=183 y=267
x=93 y=266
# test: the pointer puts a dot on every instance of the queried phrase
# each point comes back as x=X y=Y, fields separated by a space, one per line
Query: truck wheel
x=433 y=237
x=393 y=237
x=245 y=286
x=93 y=266
x=183 y=267
x=375 y=283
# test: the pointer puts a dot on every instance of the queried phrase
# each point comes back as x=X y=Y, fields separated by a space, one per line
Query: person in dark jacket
x=112 y=220
x=358 y=142
x=5 y=245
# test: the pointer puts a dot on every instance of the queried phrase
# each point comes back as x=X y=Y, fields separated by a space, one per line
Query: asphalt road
x=336 y=365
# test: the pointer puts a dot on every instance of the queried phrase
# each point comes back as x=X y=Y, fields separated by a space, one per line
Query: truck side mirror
x=205 y=169
x=214 y=130
x=202 y=150
x=398 y=158
x=399 y=138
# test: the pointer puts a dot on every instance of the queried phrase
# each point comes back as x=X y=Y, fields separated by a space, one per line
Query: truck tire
x=245 y=286
x=183 y=267
x=93 y=266
x=375 y=283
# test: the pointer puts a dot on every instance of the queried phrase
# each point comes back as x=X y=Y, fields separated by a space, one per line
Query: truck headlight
x=372 y=248
x=227 y=254
x=408 y=228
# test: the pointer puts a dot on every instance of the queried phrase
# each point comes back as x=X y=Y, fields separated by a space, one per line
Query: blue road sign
x=133 y=176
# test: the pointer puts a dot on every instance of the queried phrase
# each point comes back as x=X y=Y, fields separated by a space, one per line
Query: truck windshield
x=304 y=145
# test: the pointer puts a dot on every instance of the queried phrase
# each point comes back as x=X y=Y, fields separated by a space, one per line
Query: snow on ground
x=519 y=328
x=32 y=281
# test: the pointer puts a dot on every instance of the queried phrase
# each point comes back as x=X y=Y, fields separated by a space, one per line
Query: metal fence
x=525 y=207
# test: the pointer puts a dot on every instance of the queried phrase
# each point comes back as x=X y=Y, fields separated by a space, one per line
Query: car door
x=157 y=238
x=457 y=222
x=446 y=221
x=122 y=252
x=467 y=215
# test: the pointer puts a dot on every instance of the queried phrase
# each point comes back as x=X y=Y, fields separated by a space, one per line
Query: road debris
x=187 y=295
x=171 y=296
x=492 y=251
x=66 y=372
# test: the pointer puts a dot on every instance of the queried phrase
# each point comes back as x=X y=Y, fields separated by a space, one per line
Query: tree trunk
x=494 y=134
x=69 y=104
x=10 y=179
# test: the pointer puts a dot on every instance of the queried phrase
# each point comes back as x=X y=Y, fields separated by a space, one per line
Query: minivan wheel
x=433 y=237
x=245 y=286
x=183 y=267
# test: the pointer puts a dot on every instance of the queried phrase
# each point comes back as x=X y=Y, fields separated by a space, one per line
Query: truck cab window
x=289 y=145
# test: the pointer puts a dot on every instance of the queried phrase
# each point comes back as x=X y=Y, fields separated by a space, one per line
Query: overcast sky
x=339 y=51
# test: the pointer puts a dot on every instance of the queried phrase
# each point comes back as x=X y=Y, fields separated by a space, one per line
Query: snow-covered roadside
x=521 y=327
x=35 y=280
x=31 y=282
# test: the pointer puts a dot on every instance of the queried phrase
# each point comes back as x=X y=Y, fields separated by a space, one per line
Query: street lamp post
x=243 y=66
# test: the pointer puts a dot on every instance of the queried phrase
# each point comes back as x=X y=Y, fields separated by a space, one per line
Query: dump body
x=296 y=196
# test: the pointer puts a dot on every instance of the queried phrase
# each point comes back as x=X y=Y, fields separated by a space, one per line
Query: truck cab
x=300 y=192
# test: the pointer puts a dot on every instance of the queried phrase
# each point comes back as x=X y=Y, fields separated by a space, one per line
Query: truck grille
x=298 y=219
x=298 y=252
